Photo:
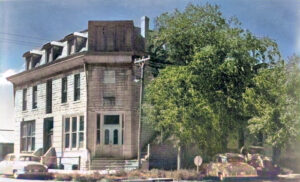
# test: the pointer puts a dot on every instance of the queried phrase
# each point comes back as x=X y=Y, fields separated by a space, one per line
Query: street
x=8 y=179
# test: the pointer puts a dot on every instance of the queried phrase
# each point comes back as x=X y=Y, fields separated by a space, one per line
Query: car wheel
x=16 y=175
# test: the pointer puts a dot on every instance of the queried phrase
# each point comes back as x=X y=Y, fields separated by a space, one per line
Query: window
x=24 y=103
x=74 y=132
x=81 y=131
x=106 y=133
x=80 y=43
x=76 y=87
x=71 y=46
x=64 y=89
x=109 y=77
x=28 y=136
x=116 y=137
x=35 y=61
x=67 y=133
x=111 y=119
x=48 y=55
x=34 y=97
x=109 y=101
x=57 y=50
x=98 y=128
x=49 y=96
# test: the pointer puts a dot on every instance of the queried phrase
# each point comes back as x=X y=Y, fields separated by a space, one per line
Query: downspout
x=86 y=113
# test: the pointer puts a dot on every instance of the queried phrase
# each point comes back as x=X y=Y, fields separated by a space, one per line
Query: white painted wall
x=59 y=110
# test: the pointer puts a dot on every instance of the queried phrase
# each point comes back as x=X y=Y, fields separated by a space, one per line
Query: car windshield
x=29 y=158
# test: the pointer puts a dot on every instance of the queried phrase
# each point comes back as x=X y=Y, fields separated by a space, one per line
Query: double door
x=108 y=142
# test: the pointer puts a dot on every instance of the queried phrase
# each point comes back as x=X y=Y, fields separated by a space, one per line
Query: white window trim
x=70 y=148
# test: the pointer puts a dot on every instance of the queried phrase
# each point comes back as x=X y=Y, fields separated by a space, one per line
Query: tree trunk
x=260 y=137
x=179 y=158
x=276 y=154
x=241 y=138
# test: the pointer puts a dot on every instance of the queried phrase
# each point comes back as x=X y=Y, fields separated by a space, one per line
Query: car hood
x=22 y=164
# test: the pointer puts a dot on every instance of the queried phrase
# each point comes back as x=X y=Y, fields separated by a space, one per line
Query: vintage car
x=229 y=165
x=255 y=156
x=23 y=165
x=263 y=165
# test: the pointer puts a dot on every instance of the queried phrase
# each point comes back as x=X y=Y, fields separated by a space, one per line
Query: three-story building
x=79 y=96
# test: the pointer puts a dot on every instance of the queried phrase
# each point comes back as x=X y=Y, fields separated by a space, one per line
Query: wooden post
x=79 y=162
x=178 y=158
x=59 y=161
x=148 y=150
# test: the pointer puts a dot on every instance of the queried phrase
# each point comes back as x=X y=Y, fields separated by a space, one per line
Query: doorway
x=109 y=144
x=48 y=134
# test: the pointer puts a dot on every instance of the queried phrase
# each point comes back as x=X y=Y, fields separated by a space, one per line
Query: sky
x=27 y=24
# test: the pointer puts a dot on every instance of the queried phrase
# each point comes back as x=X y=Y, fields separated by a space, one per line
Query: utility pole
x=141 y=63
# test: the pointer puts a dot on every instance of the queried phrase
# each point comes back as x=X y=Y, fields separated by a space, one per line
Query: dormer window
x=80 y=43
x=76 y=42
x=57 y=50
x=71 y=46
x=48 y=55
x=53 y=50
x=33 y=59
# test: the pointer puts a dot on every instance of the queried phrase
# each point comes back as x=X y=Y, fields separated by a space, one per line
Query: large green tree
x=208 y=62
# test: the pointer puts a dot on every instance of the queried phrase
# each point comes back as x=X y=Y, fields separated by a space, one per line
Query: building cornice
x=70 y=62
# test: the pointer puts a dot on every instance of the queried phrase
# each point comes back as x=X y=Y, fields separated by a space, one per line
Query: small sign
x=198 y=160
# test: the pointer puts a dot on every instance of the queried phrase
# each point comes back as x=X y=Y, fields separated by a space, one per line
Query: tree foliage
x=273 y=103
x=210 y=72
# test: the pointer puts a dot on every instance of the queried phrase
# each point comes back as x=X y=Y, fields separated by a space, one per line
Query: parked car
x=255 y=156
x=23 y=165
x=229 y=165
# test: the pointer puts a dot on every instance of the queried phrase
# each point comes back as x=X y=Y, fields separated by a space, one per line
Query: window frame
x=27 y=133
x=24 y=99
x=49 y=93
x=78 y=132
x=64 y=89
x=34 y=97
x=77 y=87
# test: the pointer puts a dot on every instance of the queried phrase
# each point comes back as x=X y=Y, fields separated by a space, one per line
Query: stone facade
x=103 y=123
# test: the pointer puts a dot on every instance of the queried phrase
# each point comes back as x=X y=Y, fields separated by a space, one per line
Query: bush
x=62 y=177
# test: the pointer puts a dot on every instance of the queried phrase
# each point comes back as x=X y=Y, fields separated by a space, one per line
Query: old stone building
x=79 y=96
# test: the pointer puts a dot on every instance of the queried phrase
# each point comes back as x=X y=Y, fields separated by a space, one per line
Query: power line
x=20 y=43
x=23 y=41
x=20 y=35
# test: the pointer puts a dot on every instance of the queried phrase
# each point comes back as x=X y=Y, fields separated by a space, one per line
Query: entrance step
x=116 y=164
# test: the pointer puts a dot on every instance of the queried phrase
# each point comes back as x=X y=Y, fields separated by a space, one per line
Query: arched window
x=116 y=136
x=106 y=133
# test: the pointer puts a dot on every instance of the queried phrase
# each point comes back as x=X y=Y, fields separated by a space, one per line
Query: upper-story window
x=109 y=76
x=109 y=101
x=80 y=43
x=24 y=100
x=48 y=55
x=76 y=87
x=49 y=96
x=64 y=90
x=34 y=97
x=71 y=46
x=57 y=50
x=35 y=61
